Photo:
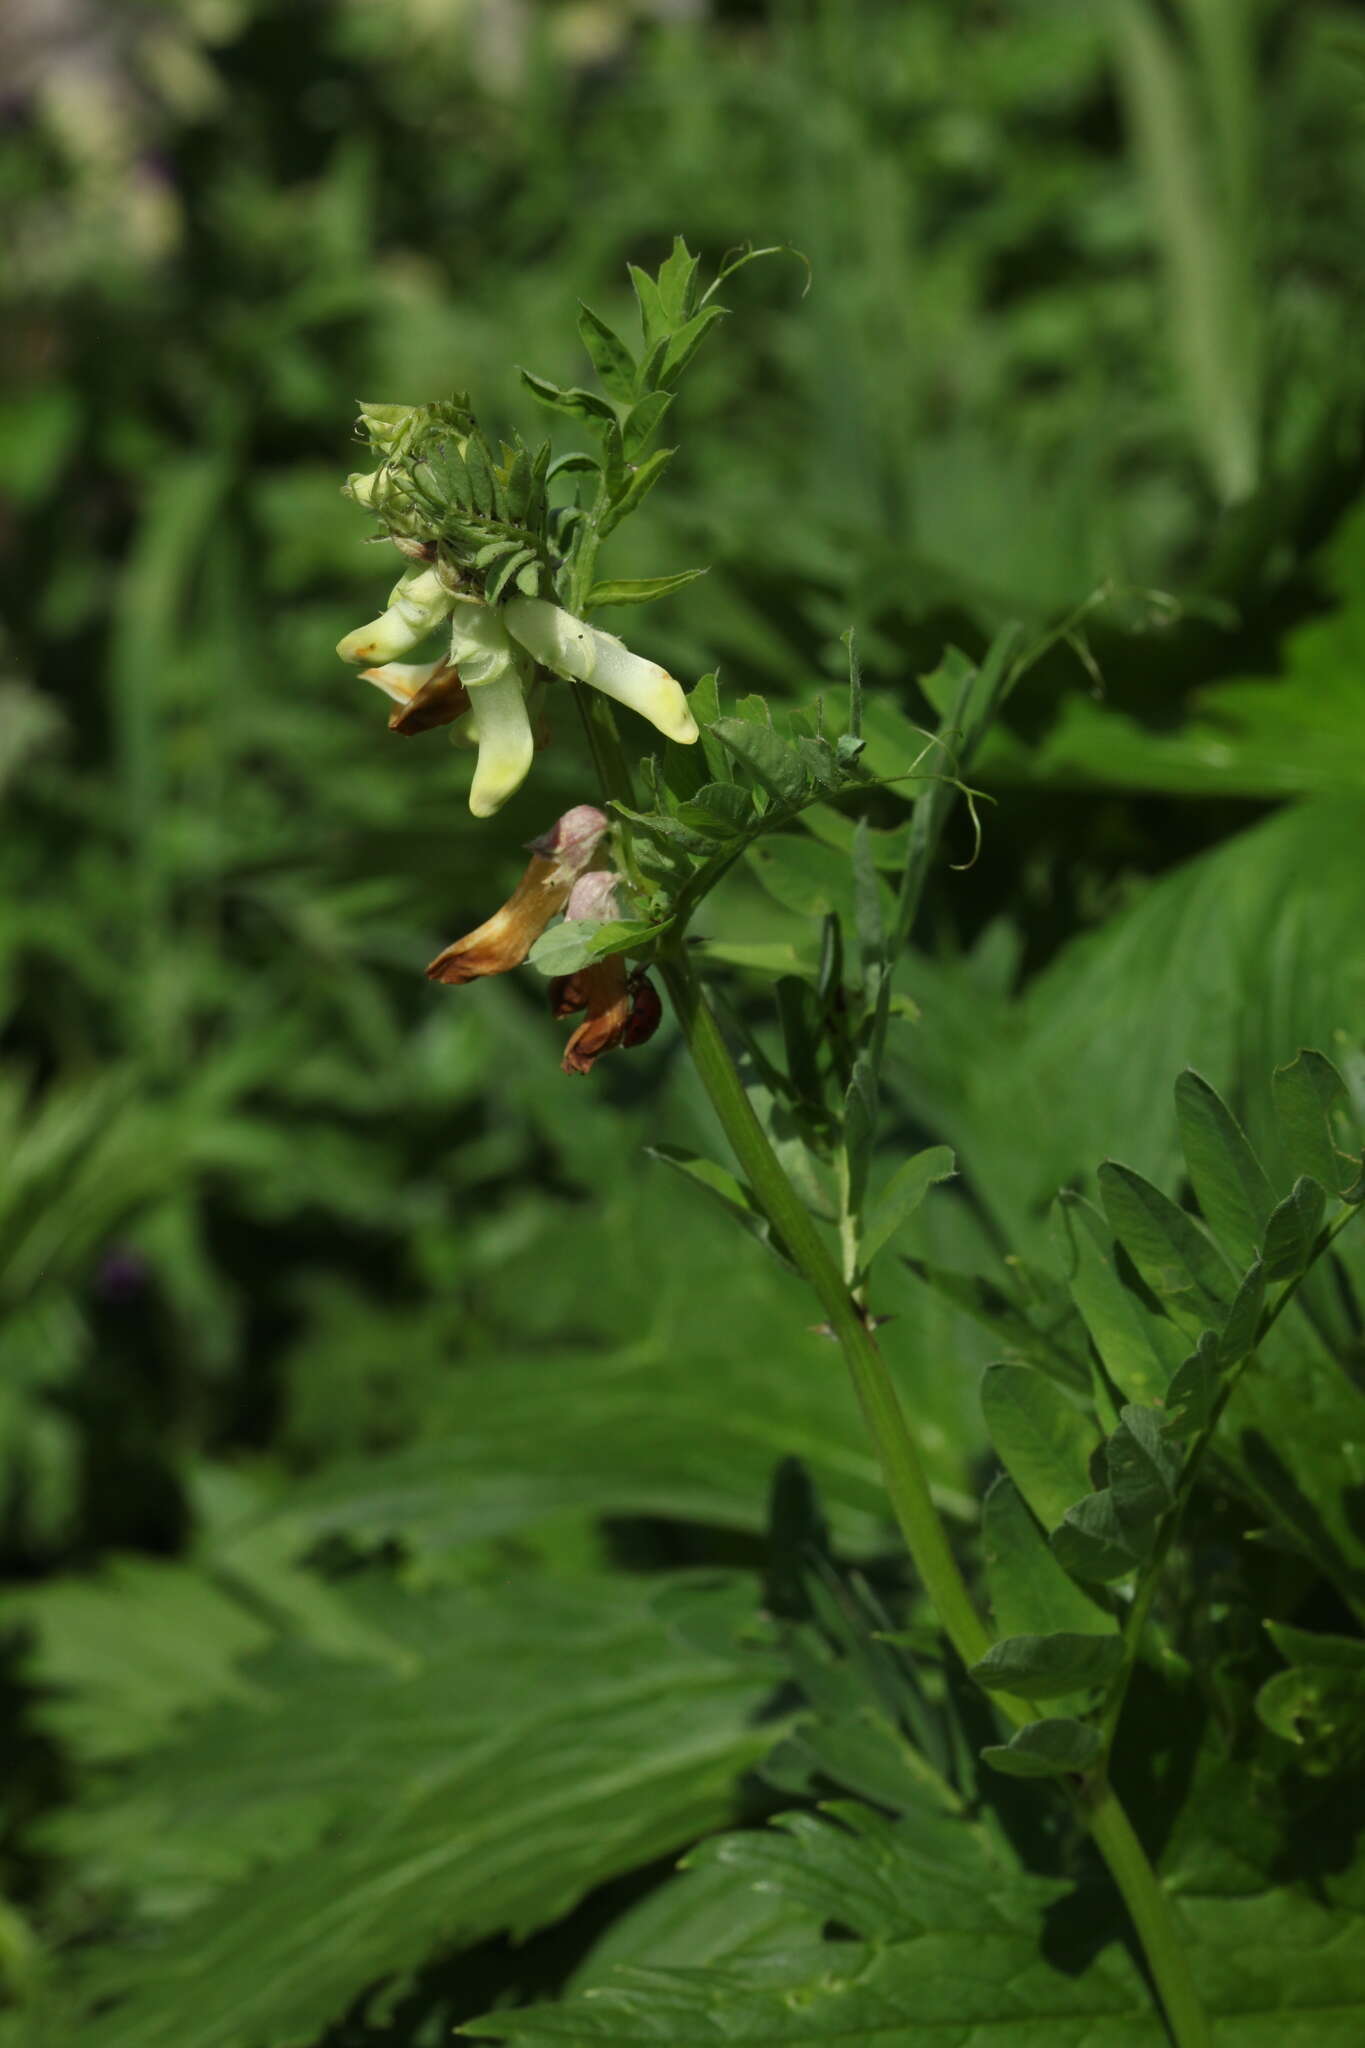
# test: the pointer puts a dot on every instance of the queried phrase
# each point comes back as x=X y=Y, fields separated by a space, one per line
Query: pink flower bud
x=593 y=899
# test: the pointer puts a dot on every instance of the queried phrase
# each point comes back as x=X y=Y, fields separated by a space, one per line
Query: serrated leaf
x=1292 y=1230
x=733 y=1194
x=579 y=404
x=1042 y=1438
x=1307 y=1092
x=612 y=360
x=902 y=1195
x=556 y=1711
x=1046 y=1749
x=1044 y=1667
x=1091 y=1542
x=1139 y=1350
x=639 y=589
x=1228 y=1179
x=1177 y=1261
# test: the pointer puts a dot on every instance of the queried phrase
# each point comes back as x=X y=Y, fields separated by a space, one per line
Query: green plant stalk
x=908 y=1489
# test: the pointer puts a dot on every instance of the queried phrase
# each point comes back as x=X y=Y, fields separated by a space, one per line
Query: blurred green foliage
x=349 y=1350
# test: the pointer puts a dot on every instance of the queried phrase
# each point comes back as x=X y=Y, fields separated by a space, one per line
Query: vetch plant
x=1104 y=1424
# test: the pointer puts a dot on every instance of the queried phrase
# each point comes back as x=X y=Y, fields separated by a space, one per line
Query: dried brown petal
x=505 y=939
x=608 y=1001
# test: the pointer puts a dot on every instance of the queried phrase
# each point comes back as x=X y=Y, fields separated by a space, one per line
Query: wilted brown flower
x=558 y=858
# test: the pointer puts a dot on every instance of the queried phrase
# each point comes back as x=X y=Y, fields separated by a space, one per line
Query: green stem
x=905 y=1481
x=908 y=1488
x=1149 y=1908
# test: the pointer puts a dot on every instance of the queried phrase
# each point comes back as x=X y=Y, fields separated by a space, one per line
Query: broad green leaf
x=902 y=1195
x=1168 y=1248
x=612 y=360
x=1144 y=1472
x=1044 y=1667
x=1292 y=1231
x=1044 y=1441
x=126 y=1652
x=1091 y=1542
x=945 y=1949
x=1308 y=1091
x=773 y=760
x=1139 y=1349
x=733 y=1194
x=1029 y=1592
x=570 y=945
x=1046 y=1749
x=1228 y=1179
x=556 y=1712
x=639 y=589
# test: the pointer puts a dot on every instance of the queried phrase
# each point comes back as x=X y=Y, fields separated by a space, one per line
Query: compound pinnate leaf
x=947 y=1949
x=556 y=1712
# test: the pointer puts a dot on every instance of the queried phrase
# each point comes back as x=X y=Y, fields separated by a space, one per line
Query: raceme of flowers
x=505 y=646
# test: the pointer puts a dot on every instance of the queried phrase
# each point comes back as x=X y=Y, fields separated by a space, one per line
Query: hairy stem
x=908 y=1488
